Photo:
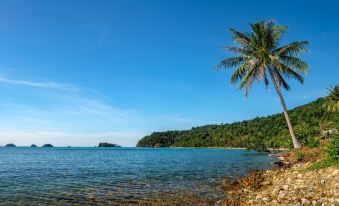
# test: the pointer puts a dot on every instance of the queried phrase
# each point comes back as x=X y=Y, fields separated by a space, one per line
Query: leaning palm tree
x=332 y=103
x=260 y=57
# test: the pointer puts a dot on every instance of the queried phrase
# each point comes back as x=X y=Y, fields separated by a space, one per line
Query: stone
x=305 y=201
x=285 y=187
x=276 y=191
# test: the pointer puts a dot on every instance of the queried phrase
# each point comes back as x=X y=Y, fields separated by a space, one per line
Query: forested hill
x=271 y=131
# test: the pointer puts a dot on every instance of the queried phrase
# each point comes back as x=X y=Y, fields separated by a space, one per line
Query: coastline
x=290 y=184
x=270 y=150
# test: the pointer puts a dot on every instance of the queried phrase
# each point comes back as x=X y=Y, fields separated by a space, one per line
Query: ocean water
x=117 y=176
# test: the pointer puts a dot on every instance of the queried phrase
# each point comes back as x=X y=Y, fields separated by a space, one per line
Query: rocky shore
x=292 y=184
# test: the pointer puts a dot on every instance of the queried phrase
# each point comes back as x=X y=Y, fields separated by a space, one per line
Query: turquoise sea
x=117 y=176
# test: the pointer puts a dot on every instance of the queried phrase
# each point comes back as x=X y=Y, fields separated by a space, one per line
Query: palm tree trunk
x=296 y=144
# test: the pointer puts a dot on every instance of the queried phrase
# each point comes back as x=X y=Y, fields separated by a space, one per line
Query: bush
x=333 y=148
x=313 y=142
x=300 y=156
x=332 y=155
x=323 y=164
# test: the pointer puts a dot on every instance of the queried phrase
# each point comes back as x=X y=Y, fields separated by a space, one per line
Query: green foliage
x=333 y=148
x=312 y=142
x=259 y=56
x=258 y=133
x=308 y=135
x=332 y=155
x=323 y=164
x=300 y=156
x=332 y=104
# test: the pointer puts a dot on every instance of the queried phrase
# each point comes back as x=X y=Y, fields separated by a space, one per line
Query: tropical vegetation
x=333 y=96
x=260 y=57
x=310 y=121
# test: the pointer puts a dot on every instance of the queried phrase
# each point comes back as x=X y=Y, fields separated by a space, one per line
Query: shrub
x=322 y=164
x=300 y=156
x=333 y=148
x=332 y=155
x=313 y=142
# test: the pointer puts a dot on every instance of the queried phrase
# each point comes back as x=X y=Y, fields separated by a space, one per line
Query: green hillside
x=271 y=131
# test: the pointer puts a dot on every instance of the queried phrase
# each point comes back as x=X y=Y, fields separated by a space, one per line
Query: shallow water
x=67 y=176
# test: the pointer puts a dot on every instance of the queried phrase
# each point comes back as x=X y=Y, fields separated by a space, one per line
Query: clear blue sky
x=80 y=72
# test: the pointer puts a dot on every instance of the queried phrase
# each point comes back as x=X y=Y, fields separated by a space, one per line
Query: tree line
x=259 y=133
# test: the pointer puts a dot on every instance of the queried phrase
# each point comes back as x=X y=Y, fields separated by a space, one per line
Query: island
x=105 y=144
x=47 y=145
x=10 y=145
x=34 y=145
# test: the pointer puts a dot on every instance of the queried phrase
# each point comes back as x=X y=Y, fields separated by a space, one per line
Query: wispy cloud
x=79 y=118
x=46 y=85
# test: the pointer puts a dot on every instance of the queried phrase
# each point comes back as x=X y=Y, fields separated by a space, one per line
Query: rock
x=281 y=195
x=305 y=201
x=91 y=197
x=276 y=191
x=10 y=145
x=266 y=199
x=319 y=203
x=265 y=183
x=47 y=145
x=285 y=187
x=288 y=186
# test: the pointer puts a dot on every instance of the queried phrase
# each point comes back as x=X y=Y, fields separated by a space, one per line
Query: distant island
x=105 y=144
x=10 y=145
x=47 y=145
x=34 y=145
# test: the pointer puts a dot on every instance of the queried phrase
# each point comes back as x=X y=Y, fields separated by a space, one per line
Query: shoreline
x=289 y=184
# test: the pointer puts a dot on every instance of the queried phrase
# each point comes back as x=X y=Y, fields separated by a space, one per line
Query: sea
x=120 y=176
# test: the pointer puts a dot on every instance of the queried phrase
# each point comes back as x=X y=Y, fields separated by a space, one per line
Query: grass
x=323 y=164
x=326 y=155
x=307 y=154
x=319 y=156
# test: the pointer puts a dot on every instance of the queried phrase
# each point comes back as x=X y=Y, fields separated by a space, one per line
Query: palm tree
x=332 y=103
x=260 y=57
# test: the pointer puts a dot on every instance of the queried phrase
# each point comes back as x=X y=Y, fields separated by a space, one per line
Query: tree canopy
x=270 y=131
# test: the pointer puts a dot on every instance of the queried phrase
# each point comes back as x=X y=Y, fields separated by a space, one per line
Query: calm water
x=68 y=176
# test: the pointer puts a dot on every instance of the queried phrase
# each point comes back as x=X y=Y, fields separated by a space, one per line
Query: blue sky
x=81 y=72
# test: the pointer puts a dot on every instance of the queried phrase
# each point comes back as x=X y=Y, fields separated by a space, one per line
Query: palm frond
x=294 y=62
x=248 y=79
x=259 y=52
x=281 y=81
x=238 y=50
x=241 y=37
x=287 y=71
x=231 y=62
x=266 y=81
x=292 y=49
x=239 y=73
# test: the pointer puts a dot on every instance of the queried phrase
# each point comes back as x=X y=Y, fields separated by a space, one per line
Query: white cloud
x=46 y=85
x=78 y=118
